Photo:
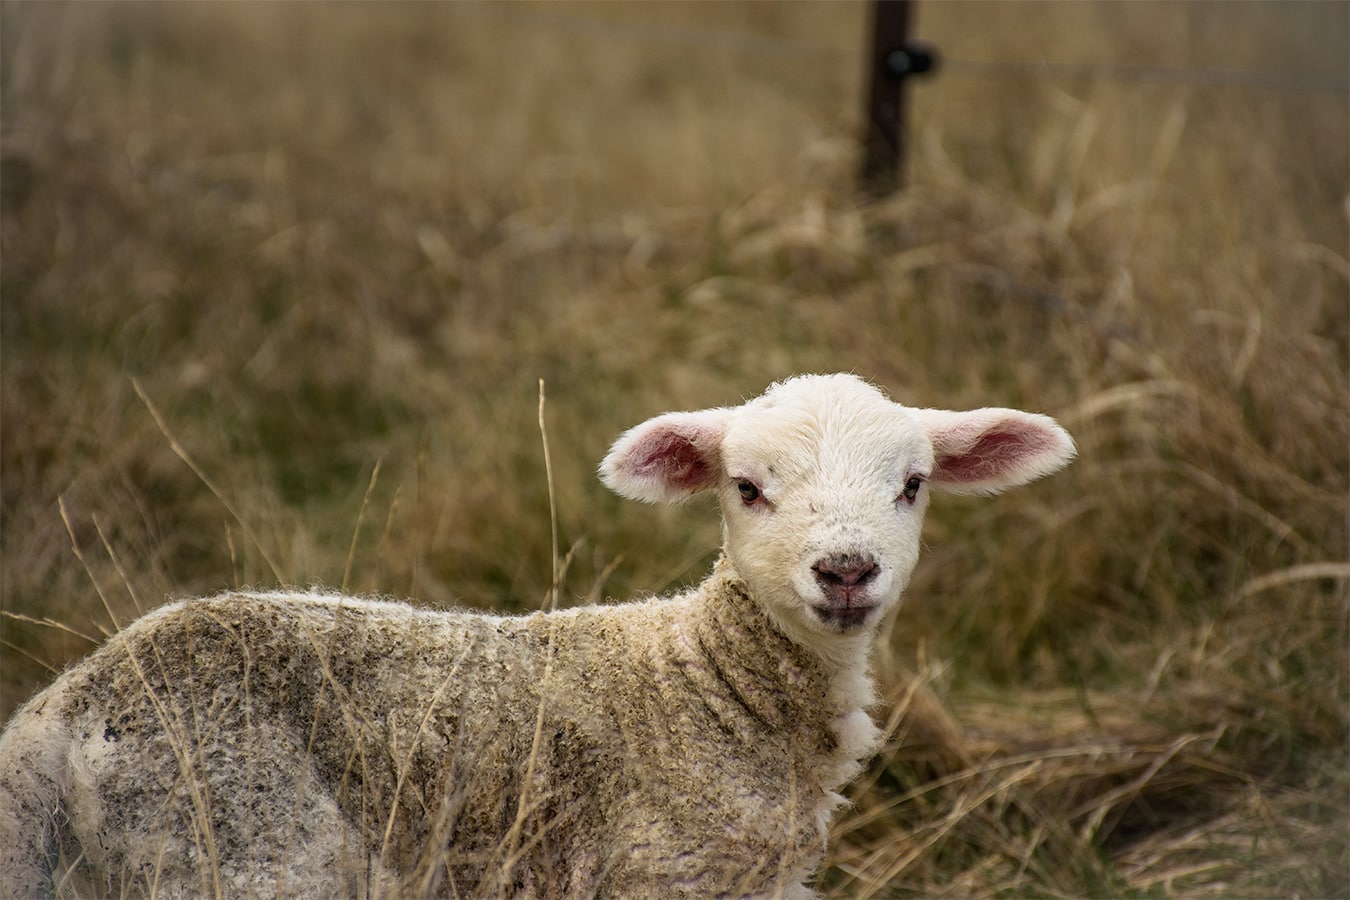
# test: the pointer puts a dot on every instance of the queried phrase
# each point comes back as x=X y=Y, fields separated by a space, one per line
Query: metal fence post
x=894 y=59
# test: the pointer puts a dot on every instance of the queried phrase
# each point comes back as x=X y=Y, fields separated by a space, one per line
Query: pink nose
x=844 y=571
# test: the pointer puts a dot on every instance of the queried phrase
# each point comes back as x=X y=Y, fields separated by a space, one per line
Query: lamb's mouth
x=844 y=618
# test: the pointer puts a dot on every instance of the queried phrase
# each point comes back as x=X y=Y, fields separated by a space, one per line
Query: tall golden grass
x=279 y=282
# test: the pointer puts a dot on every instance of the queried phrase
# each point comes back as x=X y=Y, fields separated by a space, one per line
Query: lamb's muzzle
x=844 y=580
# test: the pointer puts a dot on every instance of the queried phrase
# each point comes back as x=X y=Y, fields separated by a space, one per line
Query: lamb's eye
x=749 y=493
x=912 y=488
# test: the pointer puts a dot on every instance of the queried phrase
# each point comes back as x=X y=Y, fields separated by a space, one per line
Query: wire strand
x=1130 y=72
x=722 y=39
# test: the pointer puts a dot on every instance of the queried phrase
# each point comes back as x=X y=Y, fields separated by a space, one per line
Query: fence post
x=894 y=59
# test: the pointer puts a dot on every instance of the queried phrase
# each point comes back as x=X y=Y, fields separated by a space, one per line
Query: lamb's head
x=823 y=484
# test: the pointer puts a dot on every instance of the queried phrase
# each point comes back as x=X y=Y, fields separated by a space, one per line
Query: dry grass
x=337 y=247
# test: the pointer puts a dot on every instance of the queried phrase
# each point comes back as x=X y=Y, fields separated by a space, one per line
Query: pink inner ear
x=673 y=459
x=992 y=456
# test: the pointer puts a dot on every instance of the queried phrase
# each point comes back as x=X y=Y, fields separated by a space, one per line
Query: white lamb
x=311 y=745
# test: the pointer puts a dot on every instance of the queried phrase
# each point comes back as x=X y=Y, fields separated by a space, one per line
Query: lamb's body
x=422 y=724
x=302 y=744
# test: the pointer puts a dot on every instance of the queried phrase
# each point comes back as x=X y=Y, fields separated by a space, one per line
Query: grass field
x=279 y=283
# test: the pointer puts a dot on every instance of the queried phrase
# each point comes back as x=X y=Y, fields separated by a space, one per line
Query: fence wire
x=717 y=38
x=1233 y=78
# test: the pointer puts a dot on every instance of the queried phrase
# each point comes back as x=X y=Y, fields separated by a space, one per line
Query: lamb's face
x=824 y=483
x=823 y=488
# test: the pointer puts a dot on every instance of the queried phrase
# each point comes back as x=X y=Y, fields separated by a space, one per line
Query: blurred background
x=279 y=283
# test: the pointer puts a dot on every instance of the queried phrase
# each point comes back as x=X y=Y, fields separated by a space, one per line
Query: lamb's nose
x=845 y=570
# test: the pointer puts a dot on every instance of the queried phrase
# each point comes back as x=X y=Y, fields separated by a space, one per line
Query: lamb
x=315 y=745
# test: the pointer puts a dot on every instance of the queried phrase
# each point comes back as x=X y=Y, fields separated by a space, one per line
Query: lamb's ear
x=988 y=450
x=668 y=458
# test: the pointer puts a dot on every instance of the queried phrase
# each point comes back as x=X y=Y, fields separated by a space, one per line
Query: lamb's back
x=323 y=729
